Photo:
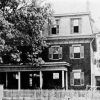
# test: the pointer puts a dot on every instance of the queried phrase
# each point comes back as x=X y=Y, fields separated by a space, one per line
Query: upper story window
x=75 y=25
x=77 y=78
x=76 y=52
x=55 y=52
x=55 y=28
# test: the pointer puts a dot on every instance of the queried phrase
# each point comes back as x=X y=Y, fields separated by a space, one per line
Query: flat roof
x=47 y=66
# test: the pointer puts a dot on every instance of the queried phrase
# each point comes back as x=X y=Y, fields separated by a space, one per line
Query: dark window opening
x=55 y=56
x=51 y=81
x=54 y=30
x=12 y=80
x=77 y=82
x=76 y=29
x=76 y=55
x=30 y=80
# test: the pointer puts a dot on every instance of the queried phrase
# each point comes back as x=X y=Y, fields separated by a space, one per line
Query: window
x=75 y=25
x=55 y=52
x=76 y=52
x=77 y=78
x=98 y=63
x=55 y=28
x=55 y=75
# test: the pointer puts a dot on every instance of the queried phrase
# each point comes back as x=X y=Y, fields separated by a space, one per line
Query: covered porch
x=51 y=75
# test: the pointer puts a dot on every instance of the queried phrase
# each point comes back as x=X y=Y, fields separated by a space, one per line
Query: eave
x=72 y=14
x=51 y=40
x=47 y=66
x=70 y=37
x=55 y=64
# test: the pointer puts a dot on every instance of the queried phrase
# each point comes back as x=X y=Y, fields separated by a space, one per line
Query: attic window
x=55 y=27
x=75 y=25
x=54 y=30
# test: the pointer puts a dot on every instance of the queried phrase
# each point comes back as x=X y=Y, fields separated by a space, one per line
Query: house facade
x=71 y=39
x=68 y=59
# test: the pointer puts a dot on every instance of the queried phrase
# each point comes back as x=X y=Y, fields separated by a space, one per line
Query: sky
x=73 y=6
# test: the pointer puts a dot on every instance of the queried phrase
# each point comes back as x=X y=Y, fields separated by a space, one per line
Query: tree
x=21 y=29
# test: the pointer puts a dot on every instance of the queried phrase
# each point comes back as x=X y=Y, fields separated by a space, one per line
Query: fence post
x=1 y=92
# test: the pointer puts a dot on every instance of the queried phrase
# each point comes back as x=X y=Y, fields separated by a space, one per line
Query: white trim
x=77 y=70
x=41 y=80
x=19 y=81
x=76 y=45
x=63 y=79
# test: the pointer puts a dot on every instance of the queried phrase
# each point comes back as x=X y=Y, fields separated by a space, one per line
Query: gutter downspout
x=92 y=76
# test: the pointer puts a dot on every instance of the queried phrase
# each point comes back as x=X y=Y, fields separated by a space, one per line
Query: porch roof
x=47 y=66
x=55 y=64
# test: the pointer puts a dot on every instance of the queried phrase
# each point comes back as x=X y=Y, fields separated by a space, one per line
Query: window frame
x=56 y=25
x=72 y=79
x=71 y=54
x=79 y=25
x=51 y=54
x=77 y=53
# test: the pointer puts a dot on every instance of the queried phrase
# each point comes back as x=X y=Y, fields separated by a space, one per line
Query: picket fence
x=50 y=95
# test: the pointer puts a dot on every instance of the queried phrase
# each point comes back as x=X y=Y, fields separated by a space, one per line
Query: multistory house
x=71 y=46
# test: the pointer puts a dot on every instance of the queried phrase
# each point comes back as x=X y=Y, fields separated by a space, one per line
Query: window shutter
x=60 y=52
x=71 y=25
x=95 y=62
x=80 y=25
x=57 y=29
x=82 y=78
x=50 y=53
x=71 y=78
x=71 y=52
x=82 y=52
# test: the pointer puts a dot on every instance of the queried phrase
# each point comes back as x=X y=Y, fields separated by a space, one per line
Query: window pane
x=77 y=82
x=76 y=49
x=55 y=56
x=54 y=30
x=76 y=55
x=56 y=50
x=75 y=22
x=76 y=29
x=77 y=75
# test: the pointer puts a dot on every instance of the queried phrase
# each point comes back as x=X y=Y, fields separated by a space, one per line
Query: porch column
x=66 y=80
x=6 y=80
x=62 y=79
x=19 y=81
x=41 y=80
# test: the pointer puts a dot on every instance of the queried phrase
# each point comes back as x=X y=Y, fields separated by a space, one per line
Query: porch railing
x=50 y=95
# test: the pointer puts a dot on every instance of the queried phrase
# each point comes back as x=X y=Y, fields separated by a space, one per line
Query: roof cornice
x=72 y=14
x=71 y=37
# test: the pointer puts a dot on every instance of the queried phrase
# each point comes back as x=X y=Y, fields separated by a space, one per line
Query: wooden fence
x=50 y=95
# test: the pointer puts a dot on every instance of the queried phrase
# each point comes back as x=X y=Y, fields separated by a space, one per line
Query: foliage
x=21 y=27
